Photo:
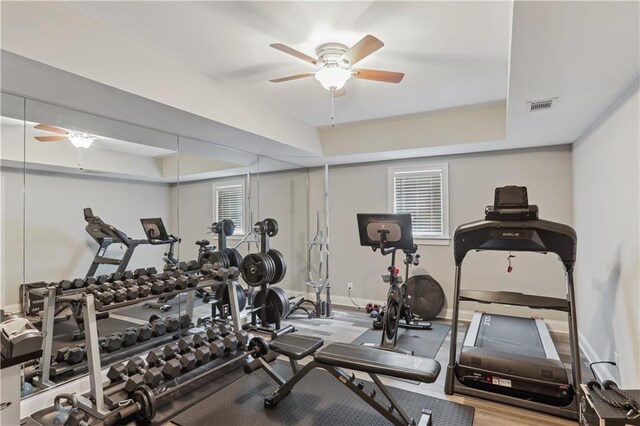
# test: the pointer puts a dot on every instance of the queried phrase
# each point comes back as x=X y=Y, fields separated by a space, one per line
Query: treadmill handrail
x=515 y=299
x=541 y=236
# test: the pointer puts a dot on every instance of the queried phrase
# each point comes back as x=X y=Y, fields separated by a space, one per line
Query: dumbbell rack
x=91 y=307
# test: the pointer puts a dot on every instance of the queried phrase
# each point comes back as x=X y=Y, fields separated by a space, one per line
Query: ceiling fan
x=78 y=139
x=336 y=60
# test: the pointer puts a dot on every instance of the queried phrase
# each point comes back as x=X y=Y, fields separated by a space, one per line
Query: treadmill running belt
x=509 y=334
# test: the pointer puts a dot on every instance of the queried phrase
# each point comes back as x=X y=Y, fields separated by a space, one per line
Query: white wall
x=56 y=244
x=606 y=208
x=281 y=195
x=472 y=179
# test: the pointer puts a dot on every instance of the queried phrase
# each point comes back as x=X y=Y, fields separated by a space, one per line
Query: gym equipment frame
x=513 y=225
x=91 y=333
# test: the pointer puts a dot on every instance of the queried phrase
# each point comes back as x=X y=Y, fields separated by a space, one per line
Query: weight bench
x=336 y=356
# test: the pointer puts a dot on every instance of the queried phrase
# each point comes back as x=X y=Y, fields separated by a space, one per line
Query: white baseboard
x=14 y=309
x=587 y=349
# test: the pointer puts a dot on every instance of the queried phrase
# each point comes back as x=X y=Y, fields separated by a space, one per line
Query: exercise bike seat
x=203 y=243
x=296 y=346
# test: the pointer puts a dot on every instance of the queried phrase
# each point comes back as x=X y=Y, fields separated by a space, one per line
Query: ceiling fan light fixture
x=80 y=140
x=333 y=78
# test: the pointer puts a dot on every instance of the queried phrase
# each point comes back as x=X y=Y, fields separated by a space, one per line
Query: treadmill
x=505 y=358
x=513 y=356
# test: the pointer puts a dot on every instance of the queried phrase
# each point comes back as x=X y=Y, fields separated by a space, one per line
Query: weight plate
x=222 y=295
x=261 y=345
x=235 y=258
x=280 y=263
x=213 y=257
x=277 y=301
x=228 y=227
x=270 y=226
x=143 y=395
x=425 y=297
x=257 y=269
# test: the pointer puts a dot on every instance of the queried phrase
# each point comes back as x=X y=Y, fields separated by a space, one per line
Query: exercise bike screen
x=509 y=334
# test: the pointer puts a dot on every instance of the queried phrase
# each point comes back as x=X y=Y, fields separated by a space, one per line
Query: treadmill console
x=511 y=203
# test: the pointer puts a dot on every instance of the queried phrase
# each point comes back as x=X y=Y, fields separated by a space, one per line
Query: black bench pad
x=296 y=346
x=378 y=361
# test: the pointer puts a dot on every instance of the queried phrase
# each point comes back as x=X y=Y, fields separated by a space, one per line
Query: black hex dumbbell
x=171 y=322
x=105 y=297
x=158 y=328
x=193 y=281
x=187 y=361
x=143 y=279
x=111 y=343
x=102 y=279
x=225 y=328
x=127 y=275
x=157 y=287
x=243 y=338
x=185 y=321
x=151 y=376
x=210 y=337
x=132 y=381
x=77 y=283
x=183 y=266
x=194 y=265
x=139 y=272
x=71 y=356
x=117 y=276
x=130 y=336
x=182 y=282
x=229 y=341
x=152 y=270
x=144 y=332
x=169 y=285
x=119 y=295
x=202 y=352
x=171 y=368
x=89 y=281
x=64 y=284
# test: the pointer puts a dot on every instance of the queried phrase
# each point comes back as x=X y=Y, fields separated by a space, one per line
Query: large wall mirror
x=80 y=195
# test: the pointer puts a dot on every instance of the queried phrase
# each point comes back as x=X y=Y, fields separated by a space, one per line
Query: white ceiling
x=212 y=60
x=452 y=53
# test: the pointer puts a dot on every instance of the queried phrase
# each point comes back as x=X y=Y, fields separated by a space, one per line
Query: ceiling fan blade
x=377 y=75
x=293 y=52
x=49 y=128
x=360 y=50
x=291 y=77
x=339 y=93
x=50 y=138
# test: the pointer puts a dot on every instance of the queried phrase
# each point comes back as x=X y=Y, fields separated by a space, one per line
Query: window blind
x=230 y=205
x=420 y=193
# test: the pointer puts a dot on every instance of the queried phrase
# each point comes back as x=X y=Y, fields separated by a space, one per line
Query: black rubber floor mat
x=424 y=343
x=319 y=400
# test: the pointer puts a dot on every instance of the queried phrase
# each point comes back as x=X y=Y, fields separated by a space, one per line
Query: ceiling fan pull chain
x=333 y=123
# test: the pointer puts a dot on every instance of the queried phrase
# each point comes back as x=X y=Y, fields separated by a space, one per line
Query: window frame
x=228 y=183
x=443 y=168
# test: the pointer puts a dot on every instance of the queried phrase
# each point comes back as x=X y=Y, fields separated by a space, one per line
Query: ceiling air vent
x=541 y=105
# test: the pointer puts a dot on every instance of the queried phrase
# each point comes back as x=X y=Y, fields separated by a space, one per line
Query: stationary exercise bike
x=390 y=233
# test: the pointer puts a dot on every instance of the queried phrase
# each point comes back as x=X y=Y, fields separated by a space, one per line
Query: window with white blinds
x=229 y=204
x=421 y=191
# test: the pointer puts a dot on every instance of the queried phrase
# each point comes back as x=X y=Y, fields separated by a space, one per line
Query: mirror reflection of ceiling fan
x=78 y=139
x=336 y=60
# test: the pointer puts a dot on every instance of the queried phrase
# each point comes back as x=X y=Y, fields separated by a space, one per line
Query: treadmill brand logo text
x=486 y=320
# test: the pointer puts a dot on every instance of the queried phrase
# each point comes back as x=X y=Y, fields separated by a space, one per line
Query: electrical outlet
x=350 y=286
